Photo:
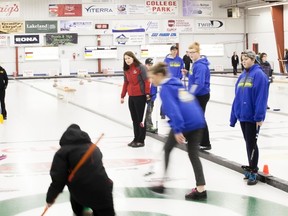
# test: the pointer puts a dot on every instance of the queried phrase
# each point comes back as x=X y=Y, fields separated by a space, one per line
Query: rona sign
x=26 y=39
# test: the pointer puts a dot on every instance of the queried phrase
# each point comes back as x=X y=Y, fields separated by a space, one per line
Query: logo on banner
x=26 y=39
x=210 y=24
x=122 y=39
x=94 y=9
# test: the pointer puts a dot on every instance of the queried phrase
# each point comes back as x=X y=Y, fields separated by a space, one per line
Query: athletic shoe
x=131 y=143
x=205 y=148
x=246 y=175
x=152 y=130
x=137 y=144
x=252 y=180
x=157 y=189
x=195 y=195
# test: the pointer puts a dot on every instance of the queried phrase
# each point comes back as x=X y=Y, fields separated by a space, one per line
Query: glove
x=148 y=98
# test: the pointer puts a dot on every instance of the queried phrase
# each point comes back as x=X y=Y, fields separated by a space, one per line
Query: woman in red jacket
x=137 y=85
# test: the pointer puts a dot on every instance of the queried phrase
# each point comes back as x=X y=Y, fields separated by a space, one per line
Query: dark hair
x=261 y=55
x=132 y=55
x=159 y=68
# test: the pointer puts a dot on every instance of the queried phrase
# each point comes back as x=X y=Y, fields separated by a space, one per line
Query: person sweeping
x=90 y=186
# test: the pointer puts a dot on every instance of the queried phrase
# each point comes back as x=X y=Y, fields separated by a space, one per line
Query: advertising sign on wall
x=210 y=25
x=163 y=38
x=161 y=7
x=197 y=8
x=9 y=9
x=65 y=10
x=7 y=27
x=99 y=9
x=26 y=40
x=61 y=39
x=41 y=26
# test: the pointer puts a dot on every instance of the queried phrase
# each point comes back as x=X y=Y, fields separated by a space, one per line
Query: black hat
x=173 y=47
x=149 y=61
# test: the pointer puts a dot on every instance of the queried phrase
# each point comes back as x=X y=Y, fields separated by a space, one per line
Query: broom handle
x=84 y=158
x=45 y=210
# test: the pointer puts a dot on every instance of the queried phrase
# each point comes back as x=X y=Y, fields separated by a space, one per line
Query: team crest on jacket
x=135 y=72
x=184 y=95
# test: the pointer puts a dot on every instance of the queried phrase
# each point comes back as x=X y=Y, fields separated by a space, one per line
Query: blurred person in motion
x=187 y=122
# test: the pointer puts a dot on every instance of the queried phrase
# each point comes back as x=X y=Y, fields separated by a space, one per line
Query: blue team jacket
x=251 y=95
x=181 y=107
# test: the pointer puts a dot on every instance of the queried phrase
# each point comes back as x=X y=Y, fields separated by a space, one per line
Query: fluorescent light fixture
x=267 y=5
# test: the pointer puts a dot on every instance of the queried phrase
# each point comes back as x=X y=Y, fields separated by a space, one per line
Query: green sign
x=41 y=27
x=61 y=39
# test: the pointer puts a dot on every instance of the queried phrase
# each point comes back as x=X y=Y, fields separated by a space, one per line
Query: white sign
x=9 y=9
x=178 y=25
x=99 y=9
x=163 y=38
x=152 y=51
x=162 y=7
x=213 y=25
x=197 y=8
x=100 y=52
x=212 y=49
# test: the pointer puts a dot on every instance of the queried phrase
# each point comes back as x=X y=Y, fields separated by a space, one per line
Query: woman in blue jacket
x=199 y=85
x=249 y=108
x=186 y=120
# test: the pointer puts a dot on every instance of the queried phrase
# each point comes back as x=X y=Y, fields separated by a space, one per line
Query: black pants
x=235 y=69
x=78 y=209
x=249 y=132
x=2 y=101
x=137 y=106
x=193 y=138
x=203 y=100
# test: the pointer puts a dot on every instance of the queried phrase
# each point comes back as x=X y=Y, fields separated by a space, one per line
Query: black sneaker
x=131 y=143
x=205 y=148
x=195 y=195
x=157 y=189
x=137 y=144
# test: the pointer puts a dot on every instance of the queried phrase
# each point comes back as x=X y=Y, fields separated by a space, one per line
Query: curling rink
x=39 y=113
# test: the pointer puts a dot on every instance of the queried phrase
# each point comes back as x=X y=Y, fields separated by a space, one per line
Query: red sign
x=65 y=10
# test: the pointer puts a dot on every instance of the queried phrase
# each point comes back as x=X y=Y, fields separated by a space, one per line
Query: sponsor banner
x=197 y=8
x=61 y=39
x=41 y=26
x=26 y=40
x=99 y=9
x=162 y=7
x=163 y=38
x=152 y=26
x=9 y=9
x=131 y=9
x=3 y=40
x=65 y=10
x=178 y=25
x=76 y=26
x=129 y=37
x=209 y=25
x=11 y=27
x=100 y=52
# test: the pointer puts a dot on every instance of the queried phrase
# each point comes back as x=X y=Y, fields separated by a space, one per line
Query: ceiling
x=250 y=3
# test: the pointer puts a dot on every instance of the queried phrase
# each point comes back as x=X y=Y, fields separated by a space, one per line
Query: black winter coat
x=91 y=186
x=3 y=79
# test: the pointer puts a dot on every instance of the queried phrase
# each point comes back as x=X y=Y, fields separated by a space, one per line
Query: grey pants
x=193 y=138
